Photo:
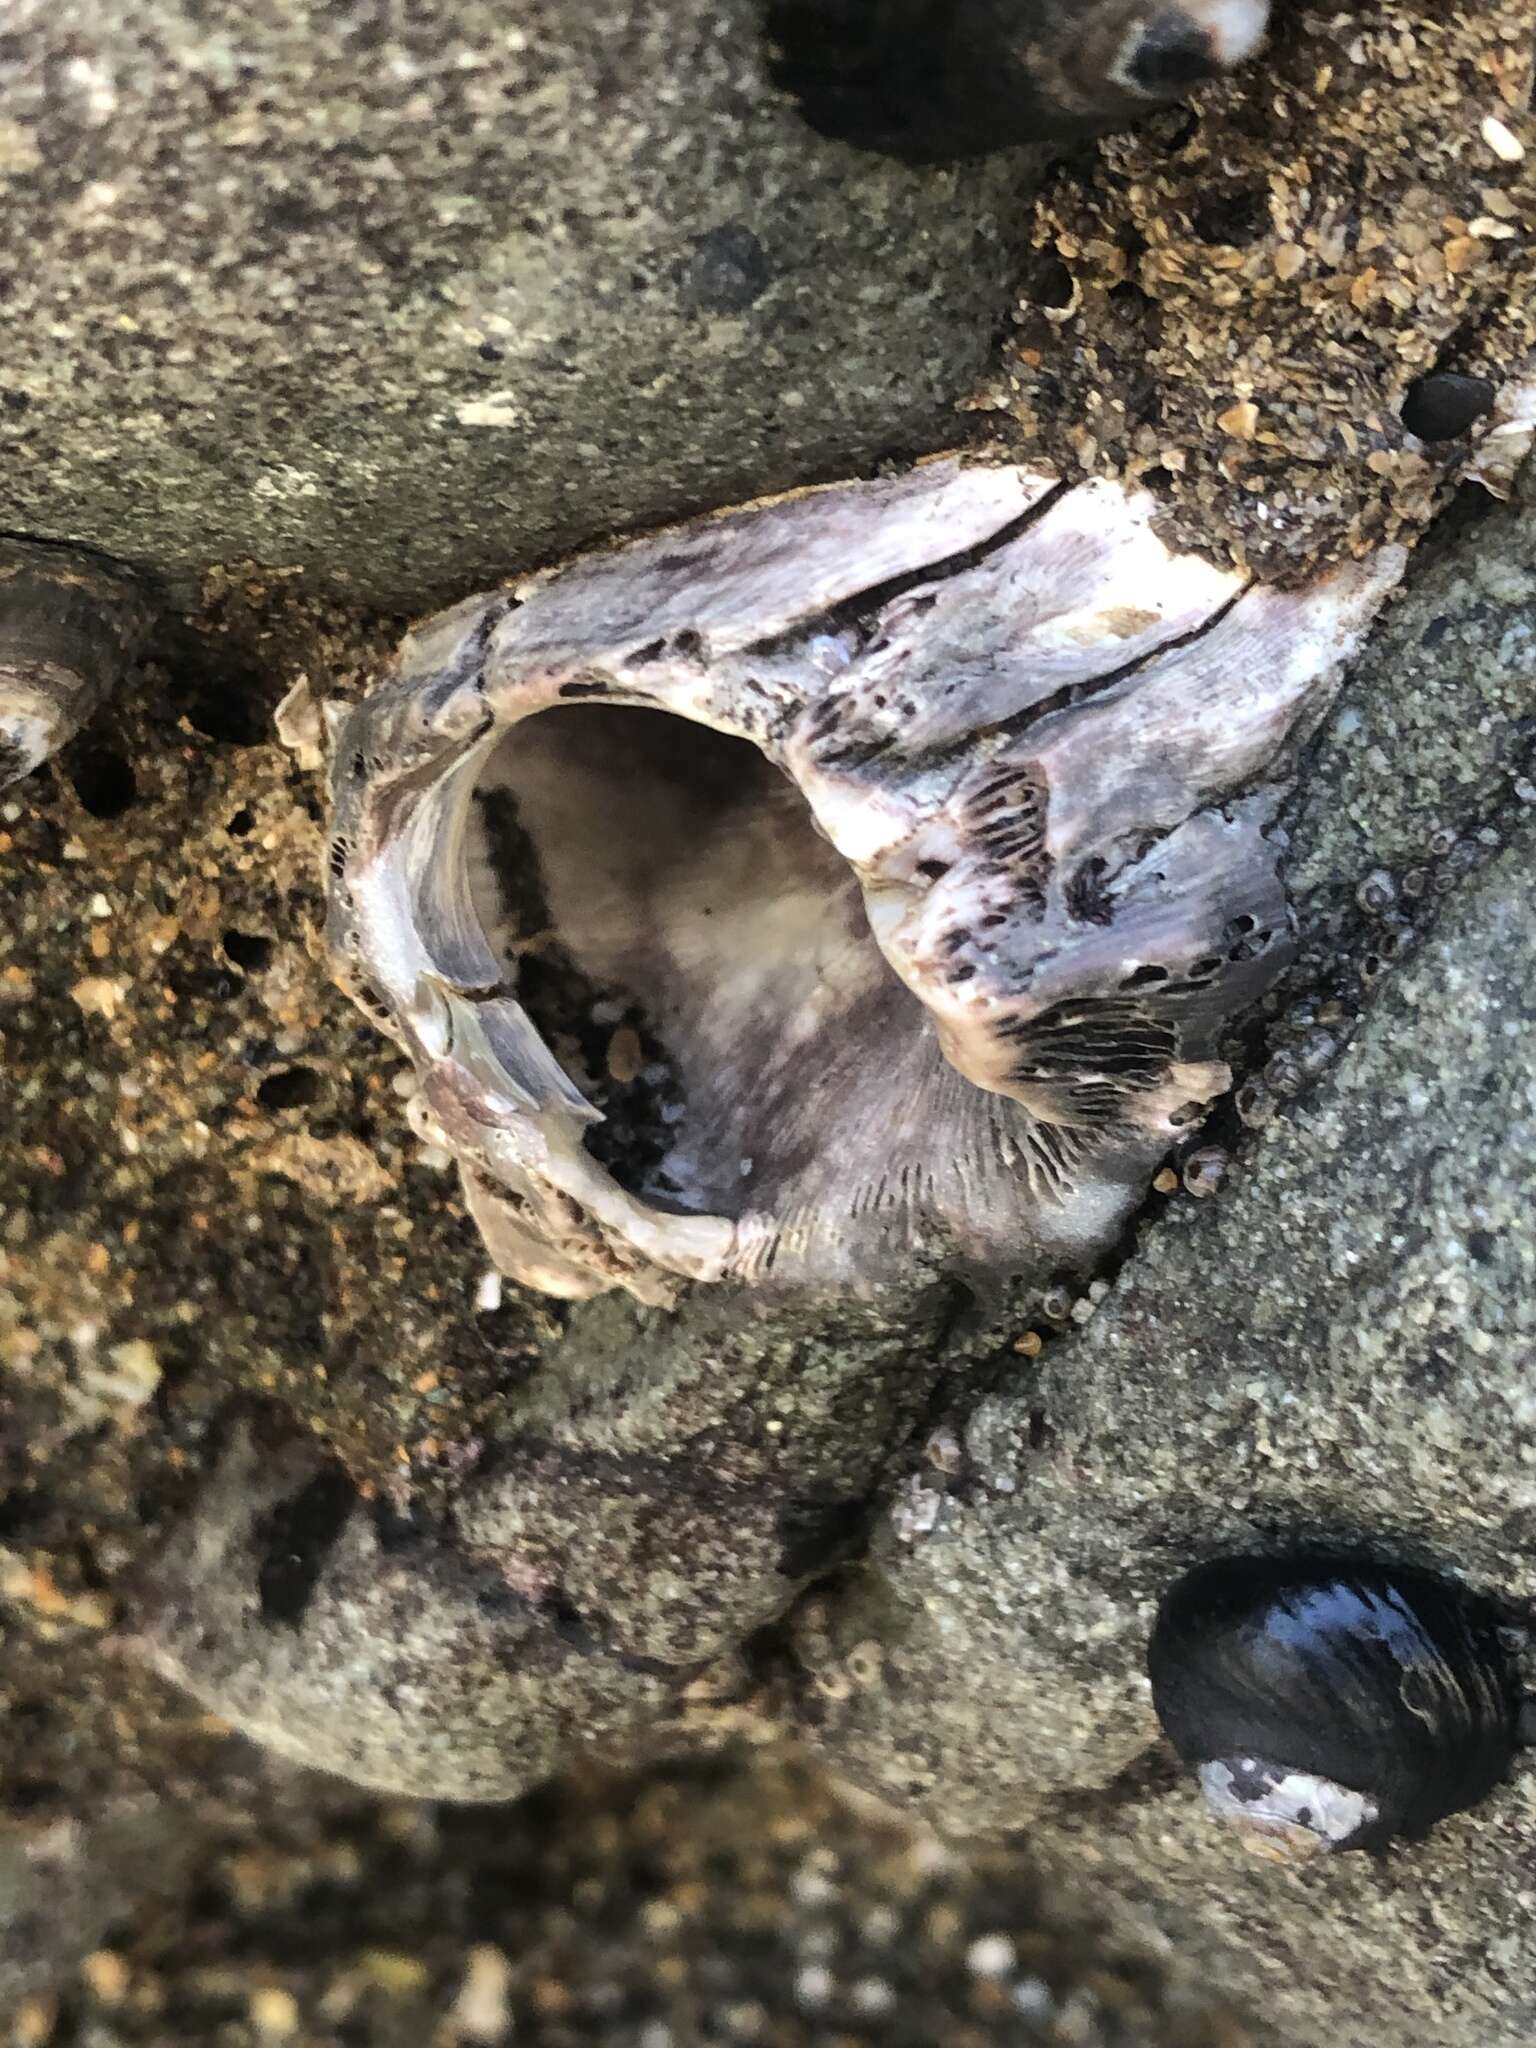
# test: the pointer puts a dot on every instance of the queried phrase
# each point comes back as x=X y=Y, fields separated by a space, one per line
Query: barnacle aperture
x=1329 y=1703
x=686 y=827
x=935 y=80
x=71 y=624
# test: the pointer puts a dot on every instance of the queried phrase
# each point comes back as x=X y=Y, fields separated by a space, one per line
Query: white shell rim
x=1283 y=1815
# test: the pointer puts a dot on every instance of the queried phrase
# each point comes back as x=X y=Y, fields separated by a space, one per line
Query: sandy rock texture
x=1241 y=301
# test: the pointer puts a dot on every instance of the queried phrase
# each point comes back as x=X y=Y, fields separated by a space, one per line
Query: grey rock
x=410 y=300
x=667 y=1491
x=1334 y=1350
x=1430 y=745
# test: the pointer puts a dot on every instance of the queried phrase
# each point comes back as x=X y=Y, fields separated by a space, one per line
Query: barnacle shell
x=1329 y=1703
x=1511 y=434
x=918 y=830
x=70 y=625
x=934 y=80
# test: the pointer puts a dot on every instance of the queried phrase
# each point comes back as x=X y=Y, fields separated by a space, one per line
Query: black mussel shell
x=935 y=81
x=884 y=75
x=1385 y=1680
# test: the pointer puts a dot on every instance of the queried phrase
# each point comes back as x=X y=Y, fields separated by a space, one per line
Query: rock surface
x=1240 y=298
x=405 y=305
x=411 y=300
x=1336 y=1350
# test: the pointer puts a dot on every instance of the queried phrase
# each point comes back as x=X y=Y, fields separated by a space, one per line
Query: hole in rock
x=229 y=716
x=1047 y=282
x=294 y=1540
x=221 y=690
x=104 y=781
x=251 y=950
x=1232 y=216
x=289 y=1088
x=699 y=960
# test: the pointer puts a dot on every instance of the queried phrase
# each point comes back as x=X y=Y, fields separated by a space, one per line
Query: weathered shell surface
x=964 y=736
x=1329 y=1703
x=70 y=625
x=1509 y=437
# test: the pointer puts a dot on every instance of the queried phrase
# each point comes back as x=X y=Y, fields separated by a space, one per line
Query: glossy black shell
x=934 y=81
x=1388 y=1681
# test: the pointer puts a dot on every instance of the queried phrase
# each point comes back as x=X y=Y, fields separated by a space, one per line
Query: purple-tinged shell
x=912 y=839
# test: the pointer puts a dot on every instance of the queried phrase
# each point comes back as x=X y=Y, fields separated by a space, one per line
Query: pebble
x=993 y=1955
x=813 y=1985
x=1502 y=140
x=274 y=2013
x=482 y=2012
x=106 y=1976
x=134 y=1374
x=1446 y=405
x=872 y=1996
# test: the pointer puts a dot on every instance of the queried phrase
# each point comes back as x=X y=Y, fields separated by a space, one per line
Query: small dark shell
x=1444 y=405
x=1389 y=1682
x=936 y=81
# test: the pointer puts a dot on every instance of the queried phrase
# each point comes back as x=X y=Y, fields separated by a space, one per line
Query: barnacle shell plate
x=927 y=821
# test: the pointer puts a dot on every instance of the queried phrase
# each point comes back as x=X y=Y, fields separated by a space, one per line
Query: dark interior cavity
x=693 y=951
x=294 y=1540
x=860 y=74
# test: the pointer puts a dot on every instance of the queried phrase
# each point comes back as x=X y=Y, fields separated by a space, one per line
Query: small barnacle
x=1316 y=1052
x=916 y=1510
x=1206 y=1171
x=930 y=81
x=1282 y=1073
x=1255 y=1104
x=920 y=953
x=1506 y=444
x=1329 y=1703
x=943 y=1450
x=71 y=625
x=1377 y=893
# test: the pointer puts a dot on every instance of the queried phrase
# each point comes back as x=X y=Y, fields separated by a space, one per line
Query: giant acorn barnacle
x=1330 y=1703
x=857 y=878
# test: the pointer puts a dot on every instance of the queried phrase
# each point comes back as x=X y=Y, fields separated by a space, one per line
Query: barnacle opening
x=696 y=955
x=859 y=877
